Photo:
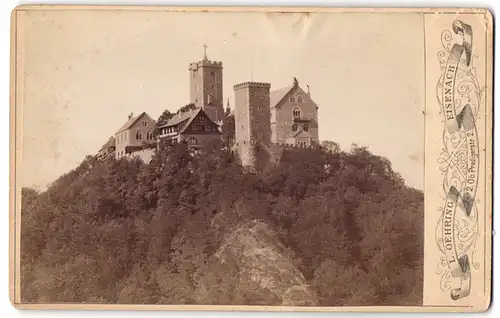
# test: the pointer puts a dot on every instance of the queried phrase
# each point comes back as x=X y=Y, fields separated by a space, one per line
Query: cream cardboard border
x=476 y=302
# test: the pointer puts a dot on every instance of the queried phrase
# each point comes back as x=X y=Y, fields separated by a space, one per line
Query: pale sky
x=85 y=71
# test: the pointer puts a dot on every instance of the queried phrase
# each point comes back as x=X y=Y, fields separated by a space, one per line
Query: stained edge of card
x=12 y=164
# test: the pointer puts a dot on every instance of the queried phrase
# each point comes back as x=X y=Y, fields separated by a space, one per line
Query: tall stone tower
x=205 y=80
x=252 y=114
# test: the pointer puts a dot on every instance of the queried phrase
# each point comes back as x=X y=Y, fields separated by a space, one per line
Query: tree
x=331 y=146
x=121 y=231
x=162 y=120
x=186 y=108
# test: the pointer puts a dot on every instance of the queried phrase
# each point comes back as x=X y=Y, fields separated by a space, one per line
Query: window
x=138 y=136
x=300 y=99
x=296 y=113
x=294 y=127
x=212 y=73
x=306 y=127
x=144 y=123
x=192 y=141
x=292 y=99
x=150 y=135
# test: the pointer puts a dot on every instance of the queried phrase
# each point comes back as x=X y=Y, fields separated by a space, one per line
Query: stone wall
x=146 y=155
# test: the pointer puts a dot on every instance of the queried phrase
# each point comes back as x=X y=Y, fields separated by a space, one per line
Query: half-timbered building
x=193 y=127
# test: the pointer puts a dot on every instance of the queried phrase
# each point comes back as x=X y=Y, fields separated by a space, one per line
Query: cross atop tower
x=205 y=49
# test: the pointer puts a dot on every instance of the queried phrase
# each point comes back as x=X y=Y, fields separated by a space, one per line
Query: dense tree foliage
x=186 y=108
x=122 y=231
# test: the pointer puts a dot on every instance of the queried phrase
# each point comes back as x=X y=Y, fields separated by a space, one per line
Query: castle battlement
x=252 y=84
x=288 y=146
x=196 y=65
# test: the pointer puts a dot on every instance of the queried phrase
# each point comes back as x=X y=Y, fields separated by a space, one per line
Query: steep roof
x=183 y=116
x=130 y=122
x=109 y=143
x=277 y=95
x=212 y=113
x=186 y=117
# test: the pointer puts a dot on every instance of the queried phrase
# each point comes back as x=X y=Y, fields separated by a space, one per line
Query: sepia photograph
x=249 y=158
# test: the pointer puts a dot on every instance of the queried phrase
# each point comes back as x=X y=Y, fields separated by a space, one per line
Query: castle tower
x=252 y=119
x=205 y=80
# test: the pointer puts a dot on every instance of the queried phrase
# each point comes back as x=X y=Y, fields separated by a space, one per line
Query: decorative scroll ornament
x=459 y=95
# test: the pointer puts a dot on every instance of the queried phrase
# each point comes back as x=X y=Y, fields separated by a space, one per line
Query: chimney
x=130 y=115
x=295 y=81
x=308 y=93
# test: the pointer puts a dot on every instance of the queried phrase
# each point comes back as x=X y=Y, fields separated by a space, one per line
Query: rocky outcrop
x=252 y=267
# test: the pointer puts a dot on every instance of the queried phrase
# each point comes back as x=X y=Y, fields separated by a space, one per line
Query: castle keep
x=252 y=119
x=205 y=84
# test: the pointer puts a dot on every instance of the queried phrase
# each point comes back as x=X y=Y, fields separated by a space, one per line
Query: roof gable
x=187 y=118
x=201 y=112
x=132 y=121
x=109 y=143
x=282 y=93
x=193 y=116
x=180 y=117
x=279 y=94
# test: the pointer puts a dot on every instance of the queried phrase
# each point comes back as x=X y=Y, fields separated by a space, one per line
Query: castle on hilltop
x=272 y=119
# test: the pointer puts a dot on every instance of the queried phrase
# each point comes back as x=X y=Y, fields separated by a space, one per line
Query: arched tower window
x=300 y=99
x=138 y=135
x=150 y=135
x=306 y=127
x=294 y=127
x=296 y=113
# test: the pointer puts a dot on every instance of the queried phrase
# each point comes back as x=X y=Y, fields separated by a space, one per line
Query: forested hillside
x=320 y=228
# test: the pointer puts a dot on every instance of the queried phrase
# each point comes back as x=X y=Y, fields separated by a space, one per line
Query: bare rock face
x=252 y=267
